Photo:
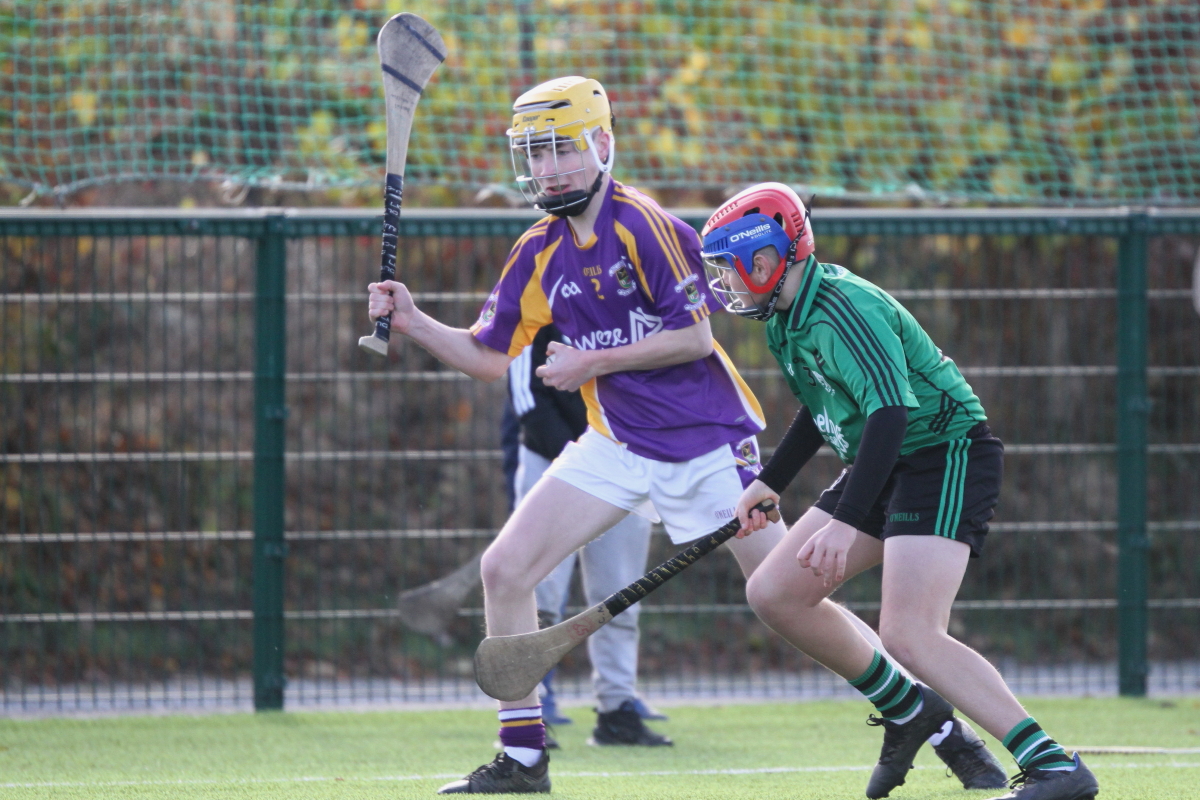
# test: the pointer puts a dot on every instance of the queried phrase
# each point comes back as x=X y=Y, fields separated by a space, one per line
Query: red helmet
x=776 y=200
x=782 y=205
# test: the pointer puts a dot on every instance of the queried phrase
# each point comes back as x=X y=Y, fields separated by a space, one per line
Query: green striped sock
x=1033 y=748
x=891 y=692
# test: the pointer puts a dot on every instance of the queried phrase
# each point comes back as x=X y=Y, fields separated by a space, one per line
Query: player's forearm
x=458 y=348
x=662 y=349
x=799 y=444
x=882 y=438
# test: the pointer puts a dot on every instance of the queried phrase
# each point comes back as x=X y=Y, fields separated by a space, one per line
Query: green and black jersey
x=847 y=349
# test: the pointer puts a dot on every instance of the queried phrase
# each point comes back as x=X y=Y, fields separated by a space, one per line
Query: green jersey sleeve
x=860 y=336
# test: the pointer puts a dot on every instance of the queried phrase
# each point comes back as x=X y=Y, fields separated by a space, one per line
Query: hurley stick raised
x=410 y=49
x=510 y=667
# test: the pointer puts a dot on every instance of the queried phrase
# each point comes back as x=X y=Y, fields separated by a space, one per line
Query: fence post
x=269 y=414
x=1132 y=414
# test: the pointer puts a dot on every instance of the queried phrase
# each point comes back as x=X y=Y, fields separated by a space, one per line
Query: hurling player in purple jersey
x=671 y=423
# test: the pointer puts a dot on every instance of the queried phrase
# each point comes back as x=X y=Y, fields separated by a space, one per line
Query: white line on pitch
x=557 y=774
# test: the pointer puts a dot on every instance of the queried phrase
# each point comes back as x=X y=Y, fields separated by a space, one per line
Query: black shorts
x=947 y=490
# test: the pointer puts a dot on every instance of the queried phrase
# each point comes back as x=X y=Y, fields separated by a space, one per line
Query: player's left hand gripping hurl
x=671 y=425
x=922 y=477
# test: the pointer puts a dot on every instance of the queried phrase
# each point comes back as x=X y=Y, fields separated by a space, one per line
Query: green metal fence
x=211 y=497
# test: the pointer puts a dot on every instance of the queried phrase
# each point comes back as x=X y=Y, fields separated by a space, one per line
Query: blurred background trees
x=1033 y=102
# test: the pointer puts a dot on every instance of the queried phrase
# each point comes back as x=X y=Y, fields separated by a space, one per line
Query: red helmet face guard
x=737 y=243
x=747 y=275
x=771 y=280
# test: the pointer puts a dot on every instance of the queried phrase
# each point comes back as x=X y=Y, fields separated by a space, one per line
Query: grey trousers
x=609 y=563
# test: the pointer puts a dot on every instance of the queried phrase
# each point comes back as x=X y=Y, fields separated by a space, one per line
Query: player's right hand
x=391 y=297
x=751 y=518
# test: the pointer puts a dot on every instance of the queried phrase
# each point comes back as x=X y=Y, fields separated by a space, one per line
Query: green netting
x=1038 y=101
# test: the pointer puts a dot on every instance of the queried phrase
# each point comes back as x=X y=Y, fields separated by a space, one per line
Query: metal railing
x=298 y=479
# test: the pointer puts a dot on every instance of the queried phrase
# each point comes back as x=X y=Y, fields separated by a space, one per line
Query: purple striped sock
x=522 y=727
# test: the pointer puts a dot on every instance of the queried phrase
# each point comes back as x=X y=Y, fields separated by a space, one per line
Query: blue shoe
x=646 y=712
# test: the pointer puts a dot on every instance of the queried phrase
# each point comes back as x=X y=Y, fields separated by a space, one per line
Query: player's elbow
x=700 y=345
x=488 y=365
x=700 y=339
x=488 y=373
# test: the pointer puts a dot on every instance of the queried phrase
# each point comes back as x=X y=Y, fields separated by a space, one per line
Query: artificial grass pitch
x=798 y=751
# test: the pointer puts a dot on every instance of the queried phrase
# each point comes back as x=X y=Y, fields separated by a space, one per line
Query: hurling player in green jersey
x=921 y=482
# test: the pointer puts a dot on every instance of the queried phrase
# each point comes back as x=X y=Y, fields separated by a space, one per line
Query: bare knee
x=772 y=598
x=503 y=573
x=907 y=643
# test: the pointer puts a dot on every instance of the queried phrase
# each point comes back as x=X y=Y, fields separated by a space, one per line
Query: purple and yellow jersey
x=639 y=274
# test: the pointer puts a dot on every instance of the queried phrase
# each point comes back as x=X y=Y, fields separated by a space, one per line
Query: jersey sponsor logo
x=570 y=289
x=905 y=516
x=623 y=275
x=832 y=432
x=815 y=377
x=724 y=513
x=642 y=324
x=600 y=339
x=695 y=298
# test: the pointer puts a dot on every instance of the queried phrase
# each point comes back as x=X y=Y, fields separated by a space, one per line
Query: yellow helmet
x=568 y=107
x=553 y=113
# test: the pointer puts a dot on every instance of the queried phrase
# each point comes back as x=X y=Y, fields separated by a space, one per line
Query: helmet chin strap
x=569 y=204
x=766 y=311
x=572 y=204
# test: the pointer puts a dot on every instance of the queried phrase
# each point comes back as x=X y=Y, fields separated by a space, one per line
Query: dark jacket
x=549 y=417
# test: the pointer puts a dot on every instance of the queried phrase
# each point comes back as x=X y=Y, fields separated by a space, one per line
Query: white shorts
x=692 y=498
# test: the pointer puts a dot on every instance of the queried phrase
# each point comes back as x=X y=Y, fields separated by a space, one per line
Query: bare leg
x=921 y=576
x=867 y=632
x=795 y=604
x=752 y=550
x=554 y=520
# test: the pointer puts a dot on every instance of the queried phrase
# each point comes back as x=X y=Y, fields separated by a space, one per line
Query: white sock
x=526 y=755
x=912 y=714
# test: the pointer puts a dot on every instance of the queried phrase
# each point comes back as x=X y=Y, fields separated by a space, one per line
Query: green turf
x=820 y=750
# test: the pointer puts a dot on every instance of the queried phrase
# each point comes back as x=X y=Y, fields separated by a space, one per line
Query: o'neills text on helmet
x=755 y=231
